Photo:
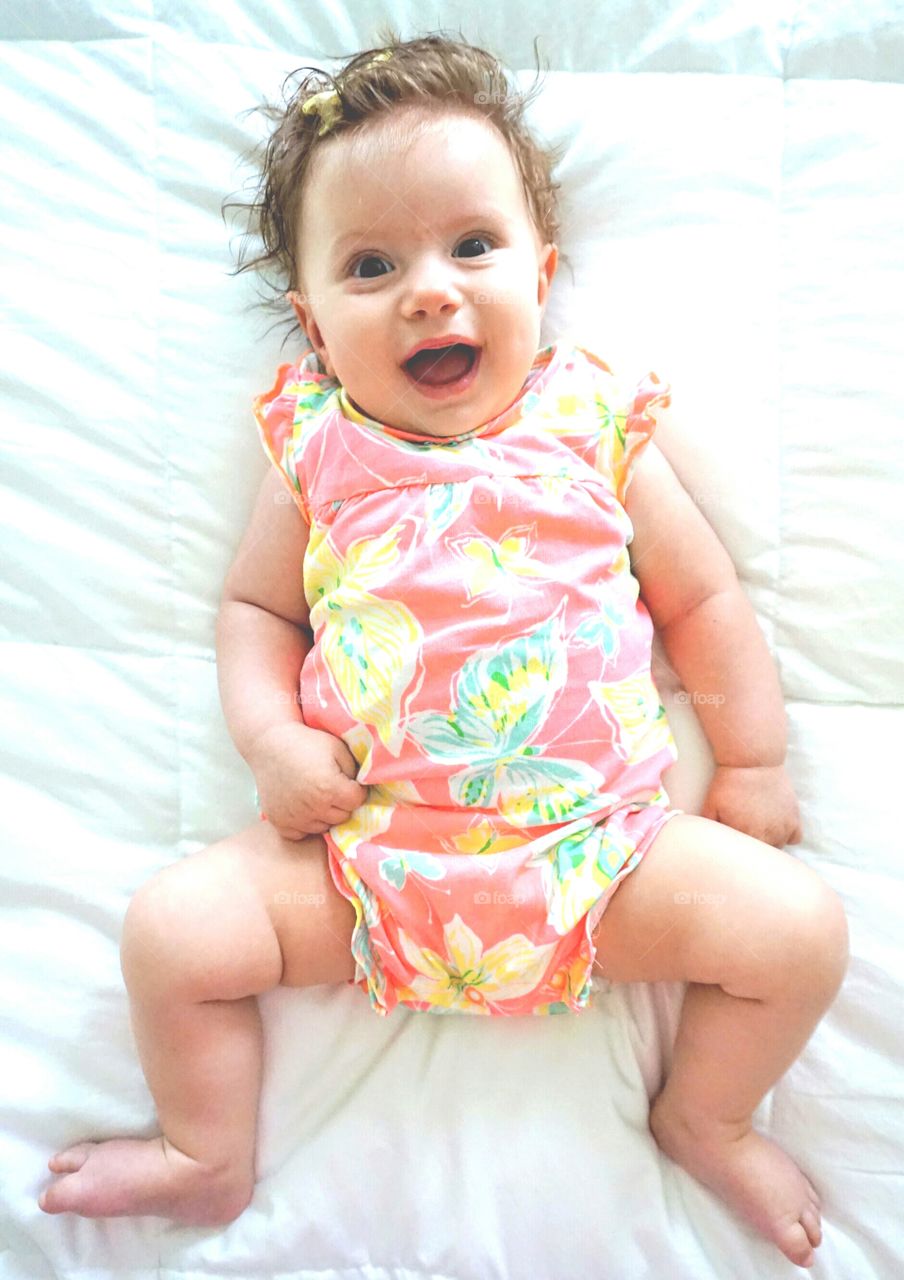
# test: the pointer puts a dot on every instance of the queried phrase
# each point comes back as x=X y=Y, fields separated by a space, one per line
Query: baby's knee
x=155 y=921
x=197 y=931
x=819 y=937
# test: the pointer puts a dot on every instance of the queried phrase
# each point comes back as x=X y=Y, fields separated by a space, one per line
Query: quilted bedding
x=733 y=199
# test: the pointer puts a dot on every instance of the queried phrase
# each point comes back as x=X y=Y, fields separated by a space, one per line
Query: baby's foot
x=135 y=1176
x=753 y=1175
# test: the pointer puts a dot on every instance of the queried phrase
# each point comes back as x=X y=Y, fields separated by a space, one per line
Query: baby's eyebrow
x=349 y=238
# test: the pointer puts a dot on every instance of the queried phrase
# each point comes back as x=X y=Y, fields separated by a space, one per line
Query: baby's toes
x=811 y=1224
x=60 y=1197
x=72 y=1159
x=795 y=1244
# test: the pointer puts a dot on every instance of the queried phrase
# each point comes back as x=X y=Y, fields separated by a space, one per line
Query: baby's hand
x=756 y=800
x=305 y=780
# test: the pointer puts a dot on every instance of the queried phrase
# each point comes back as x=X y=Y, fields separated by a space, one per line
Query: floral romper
x=480 y=646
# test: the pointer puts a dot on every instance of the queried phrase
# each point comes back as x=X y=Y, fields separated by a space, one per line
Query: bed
x=733 y=205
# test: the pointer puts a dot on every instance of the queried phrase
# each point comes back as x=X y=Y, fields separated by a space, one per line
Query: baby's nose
x=433 y=291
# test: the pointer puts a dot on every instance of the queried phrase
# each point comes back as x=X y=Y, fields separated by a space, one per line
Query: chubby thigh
x=244 y=915
x=312 y=921
x=709 y=904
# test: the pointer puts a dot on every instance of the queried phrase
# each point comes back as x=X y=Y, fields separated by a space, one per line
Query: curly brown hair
x=434 y=73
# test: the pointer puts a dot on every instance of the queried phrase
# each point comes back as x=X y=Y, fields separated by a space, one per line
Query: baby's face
x=429 y=244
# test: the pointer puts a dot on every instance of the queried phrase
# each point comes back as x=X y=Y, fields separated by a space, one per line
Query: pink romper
x=480 y=646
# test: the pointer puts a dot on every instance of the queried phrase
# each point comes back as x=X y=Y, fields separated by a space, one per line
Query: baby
x=463 y=805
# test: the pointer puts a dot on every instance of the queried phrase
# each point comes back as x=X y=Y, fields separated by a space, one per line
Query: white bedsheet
x=733 y=213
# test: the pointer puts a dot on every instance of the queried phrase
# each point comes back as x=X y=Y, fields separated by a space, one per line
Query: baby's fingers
x=316 y=826
x=347 y=794
x=339 y=815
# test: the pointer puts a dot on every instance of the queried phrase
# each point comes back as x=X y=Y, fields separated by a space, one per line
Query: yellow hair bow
x=328 y=105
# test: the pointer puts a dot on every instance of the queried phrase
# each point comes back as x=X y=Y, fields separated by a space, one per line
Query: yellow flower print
x=468 y=979
x=573 y=982
x=559 y=418
x=370 y=819
x=621 y=563
x=488 y=563
x=578 y=869
x=570 y=405
x=633 y=708
x=370 y=645
x=574 y=414
x=555 y=486
x=360 y=743
x=482 y=837
x=374 y=816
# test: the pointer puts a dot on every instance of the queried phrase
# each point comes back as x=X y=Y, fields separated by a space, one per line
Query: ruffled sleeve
x=627 y=423
x=300 y=390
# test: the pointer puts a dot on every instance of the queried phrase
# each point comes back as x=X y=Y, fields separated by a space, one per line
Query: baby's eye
x=469 y=243
x=369 y=261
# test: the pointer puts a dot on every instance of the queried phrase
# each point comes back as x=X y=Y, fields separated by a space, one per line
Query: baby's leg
x=200 y=941
x=763 y=943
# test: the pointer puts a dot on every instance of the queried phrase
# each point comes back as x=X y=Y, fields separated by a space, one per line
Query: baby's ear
x=305 y=316
x=549 y=260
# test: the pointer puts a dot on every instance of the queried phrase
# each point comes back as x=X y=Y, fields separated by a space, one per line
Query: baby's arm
x=305 y=778
x=712 y=639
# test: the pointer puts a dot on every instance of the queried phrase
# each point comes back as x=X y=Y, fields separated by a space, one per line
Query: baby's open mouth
x=438 y=366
